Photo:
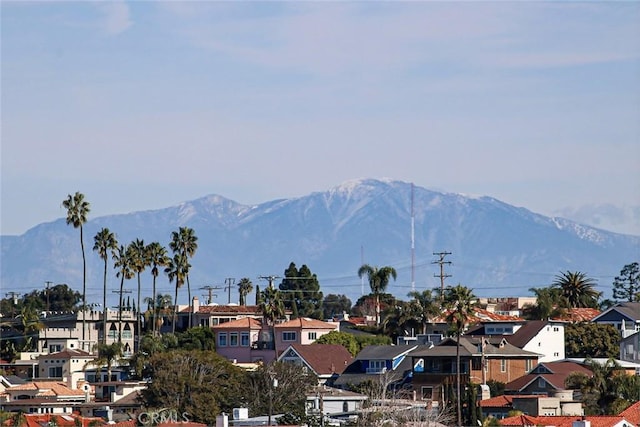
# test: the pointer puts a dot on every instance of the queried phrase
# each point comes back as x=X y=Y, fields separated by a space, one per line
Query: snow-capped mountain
x=496 y=249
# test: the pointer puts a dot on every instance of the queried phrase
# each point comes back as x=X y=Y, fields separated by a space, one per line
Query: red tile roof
x=504 y=401
x=244 y=323
x=561 y=421
x=62 y=420
x=307 y=323
x=632 y=414
x=480 y=315
x=46 y=388
x=579 y=315
x=227 y=309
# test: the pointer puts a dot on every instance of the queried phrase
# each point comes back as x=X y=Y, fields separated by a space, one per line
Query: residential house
x=625 y=316
x=43 y=397
x=326 y=361
x=629 y=368
x=547 y=378
x=439 y=324
x=67 y=366
x=334 y=402
x=566 y=421
x=630 y=348
x=245 y=340
x=481 y=360
x=538 y=336
x=302 y=330
x=387 y=363
x=535 y=405
x=632 y=414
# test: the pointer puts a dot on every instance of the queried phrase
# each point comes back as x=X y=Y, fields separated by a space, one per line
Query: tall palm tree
x=378 y=281
x=175 y=270
x=122 y=259
x=77 y=210
x=244 y=288
x=272 y=308
x=547 y=304
x=108 y=354
x=104 y=241
x=139 y=262
x=577 y=290
x=460 y=302
x=161 y=307
x=157 y=257
x=185 y=242
x=428 y=306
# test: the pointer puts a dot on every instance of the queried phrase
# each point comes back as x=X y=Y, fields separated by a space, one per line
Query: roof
x=383 y=352
x=68 y=354
x=630 y=310
x=480 y=315
x=62 y=420
x=244 y=323
x=526 y=333
x=469 y=346
x=559 y=371
x=578 y=314
x=46 y=388
x=307 y=323
x=323 y=358
x=561 y=421
x=227 y=309
x=504 y=401
x=632 y=414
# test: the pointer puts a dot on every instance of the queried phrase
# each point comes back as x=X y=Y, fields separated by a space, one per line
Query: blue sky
x=142 y=105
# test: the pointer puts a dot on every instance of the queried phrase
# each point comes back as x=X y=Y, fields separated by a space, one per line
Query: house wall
x=549 y=342
x=630 y=348
x=506 y=371
x=302 y=336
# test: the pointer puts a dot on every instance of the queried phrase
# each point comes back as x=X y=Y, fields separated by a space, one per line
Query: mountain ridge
x=493 y=244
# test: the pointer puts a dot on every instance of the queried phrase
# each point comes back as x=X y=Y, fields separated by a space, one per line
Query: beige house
x=66 y=366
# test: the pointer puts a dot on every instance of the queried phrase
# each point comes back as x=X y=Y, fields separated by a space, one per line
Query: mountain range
x=493 y=247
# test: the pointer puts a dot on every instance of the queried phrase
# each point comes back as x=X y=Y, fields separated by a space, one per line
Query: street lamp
x=272 y=385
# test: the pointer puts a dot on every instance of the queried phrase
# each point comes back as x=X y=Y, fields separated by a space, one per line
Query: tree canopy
x=626 y=286
x=591 y=339
x=301 y=292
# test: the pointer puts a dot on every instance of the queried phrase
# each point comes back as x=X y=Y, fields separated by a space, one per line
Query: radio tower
x=413 y=246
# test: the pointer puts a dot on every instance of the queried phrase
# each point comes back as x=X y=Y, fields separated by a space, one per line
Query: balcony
x=263 y=345
x=381 y=370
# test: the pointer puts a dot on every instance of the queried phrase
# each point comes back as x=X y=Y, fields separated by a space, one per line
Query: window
x=126 y=334
x=503 y=365
x=377 y=366
x=427 y=393
x=556 y=329
x=244 y=339
x=233 y=339
x=113 y=332
x=55 y=348
x=542 y=383
x=55 y=372
x=222 y=339
x=288 y=336
x=528 y=364
x=313 y=336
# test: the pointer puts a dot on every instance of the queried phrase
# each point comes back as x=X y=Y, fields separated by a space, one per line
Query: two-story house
x=625 y=316
x=374 y=361
x=66 y=366
x=481 y=359
x=245 y=340
x=548 y=378
x=43 y=397
x=302 y=330
x=538 y=336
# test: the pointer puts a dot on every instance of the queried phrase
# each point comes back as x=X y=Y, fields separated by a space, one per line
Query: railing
x=263 y=345
x=377 y=370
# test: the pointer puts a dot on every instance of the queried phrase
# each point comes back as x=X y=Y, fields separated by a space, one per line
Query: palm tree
x=378 y=281
x=547 y=304
x=175 y=270
x=185 y=242
x=428 y=306
x=460 y=302
x=104 y=241
x=272 y=308
x=157 y=257
x=30 y=324
x=244 y=288
x=122 y=258
x=77 y=211
x=108 y=354
x=139 y=262
x=577 y=290
x=161 y=305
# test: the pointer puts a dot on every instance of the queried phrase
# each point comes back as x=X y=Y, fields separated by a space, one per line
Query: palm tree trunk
x=190 y=302
x=120 y=310
x=458 y=394
x=84 y=286
x=153 y=307
x=175 y=309
x=104 y=304
x=138 y=331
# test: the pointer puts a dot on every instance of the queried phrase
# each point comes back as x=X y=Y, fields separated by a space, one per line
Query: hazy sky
x=142 y=105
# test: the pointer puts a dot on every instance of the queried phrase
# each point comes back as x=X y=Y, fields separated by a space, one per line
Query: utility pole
x=442 y=276
x=229 y=281
x=210 y=289
x=46 y=292
x=271 y=279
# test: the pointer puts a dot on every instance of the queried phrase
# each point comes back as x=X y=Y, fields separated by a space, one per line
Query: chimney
x=196 y=304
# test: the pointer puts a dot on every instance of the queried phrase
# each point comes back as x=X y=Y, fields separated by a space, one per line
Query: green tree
x=301 y=292
x=577 y=290
x=201 y=383
x=185 y=242
x=378 y=281
x=157 y=257
x=108 y=355
x=286 y=396
x=176 y=270
x=139 y=262
x=77 y=210
x=626 y=286
x=104 y=243
x=335 y=305
x=547 y=304
x=591 y=339
x=344 y=339
x=122 y=259
x=160 y=307
x=59 y=298
x=198 y=338
x=244 y=288
x=460 y=303
x=426 y=306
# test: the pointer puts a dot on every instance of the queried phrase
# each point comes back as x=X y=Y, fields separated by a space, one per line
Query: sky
x=143 y=105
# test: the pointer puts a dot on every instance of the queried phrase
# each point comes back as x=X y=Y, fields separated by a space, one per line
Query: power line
x=442 y=275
